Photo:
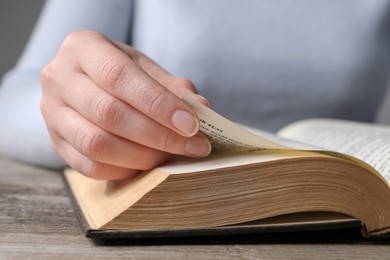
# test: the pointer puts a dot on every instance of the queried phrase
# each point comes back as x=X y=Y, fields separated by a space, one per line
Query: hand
x=112 y=112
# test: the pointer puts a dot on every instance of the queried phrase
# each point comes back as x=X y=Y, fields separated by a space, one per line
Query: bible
x=313 y=174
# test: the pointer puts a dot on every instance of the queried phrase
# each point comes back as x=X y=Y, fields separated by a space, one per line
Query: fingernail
x=198 y=146
x=185 y=122
x=202 y=100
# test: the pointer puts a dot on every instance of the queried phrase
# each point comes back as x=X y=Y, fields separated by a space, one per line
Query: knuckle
x=75 y=38
x=77 y=41
x=109 y=111
x=87 y=34
x=72 y=37
x=167 y=140
x=115 y=72
x=157 y=103
x=47 y=75
x=91 y=143
x=71 y=41
x=90 y=169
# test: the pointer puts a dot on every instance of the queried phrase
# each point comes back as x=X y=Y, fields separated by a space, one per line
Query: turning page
x=226 y=135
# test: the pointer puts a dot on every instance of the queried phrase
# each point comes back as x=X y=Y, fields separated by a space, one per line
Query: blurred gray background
x=17 y=19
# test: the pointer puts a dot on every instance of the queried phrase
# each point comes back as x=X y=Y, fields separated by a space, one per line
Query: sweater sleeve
x=23 y=134
x=383 y=114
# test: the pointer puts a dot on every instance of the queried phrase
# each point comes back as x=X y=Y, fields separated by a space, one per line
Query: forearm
x=383 y=113
x=23 y=134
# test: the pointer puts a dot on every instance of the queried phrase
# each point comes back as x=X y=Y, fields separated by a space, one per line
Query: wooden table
x=37 y=221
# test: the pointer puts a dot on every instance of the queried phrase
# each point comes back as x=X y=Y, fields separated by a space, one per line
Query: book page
x=227 y=159
x=368 y=142
x=226 y=135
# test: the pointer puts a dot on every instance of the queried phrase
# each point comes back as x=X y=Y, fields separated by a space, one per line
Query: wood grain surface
x=37 y=222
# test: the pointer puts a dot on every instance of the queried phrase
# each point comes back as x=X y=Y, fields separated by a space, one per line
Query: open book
x=312 y=174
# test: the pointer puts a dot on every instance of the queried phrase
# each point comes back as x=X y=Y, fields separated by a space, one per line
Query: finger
x=79 y=162
x=115 y=72
x=147 y=64
x=178 y=86
x=117 y=117
x=89 y=168
x=98 y=145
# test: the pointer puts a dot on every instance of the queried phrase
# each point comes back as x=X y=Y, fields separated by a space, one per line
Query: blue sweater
x=262 y=63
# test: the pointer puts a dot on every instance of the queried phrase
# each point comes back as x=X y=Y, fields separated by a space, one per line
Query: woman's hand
x=111 y=111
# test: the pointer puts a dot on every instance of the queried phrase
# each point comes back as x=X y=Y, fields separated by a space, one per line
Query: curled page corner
x=225 y=134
